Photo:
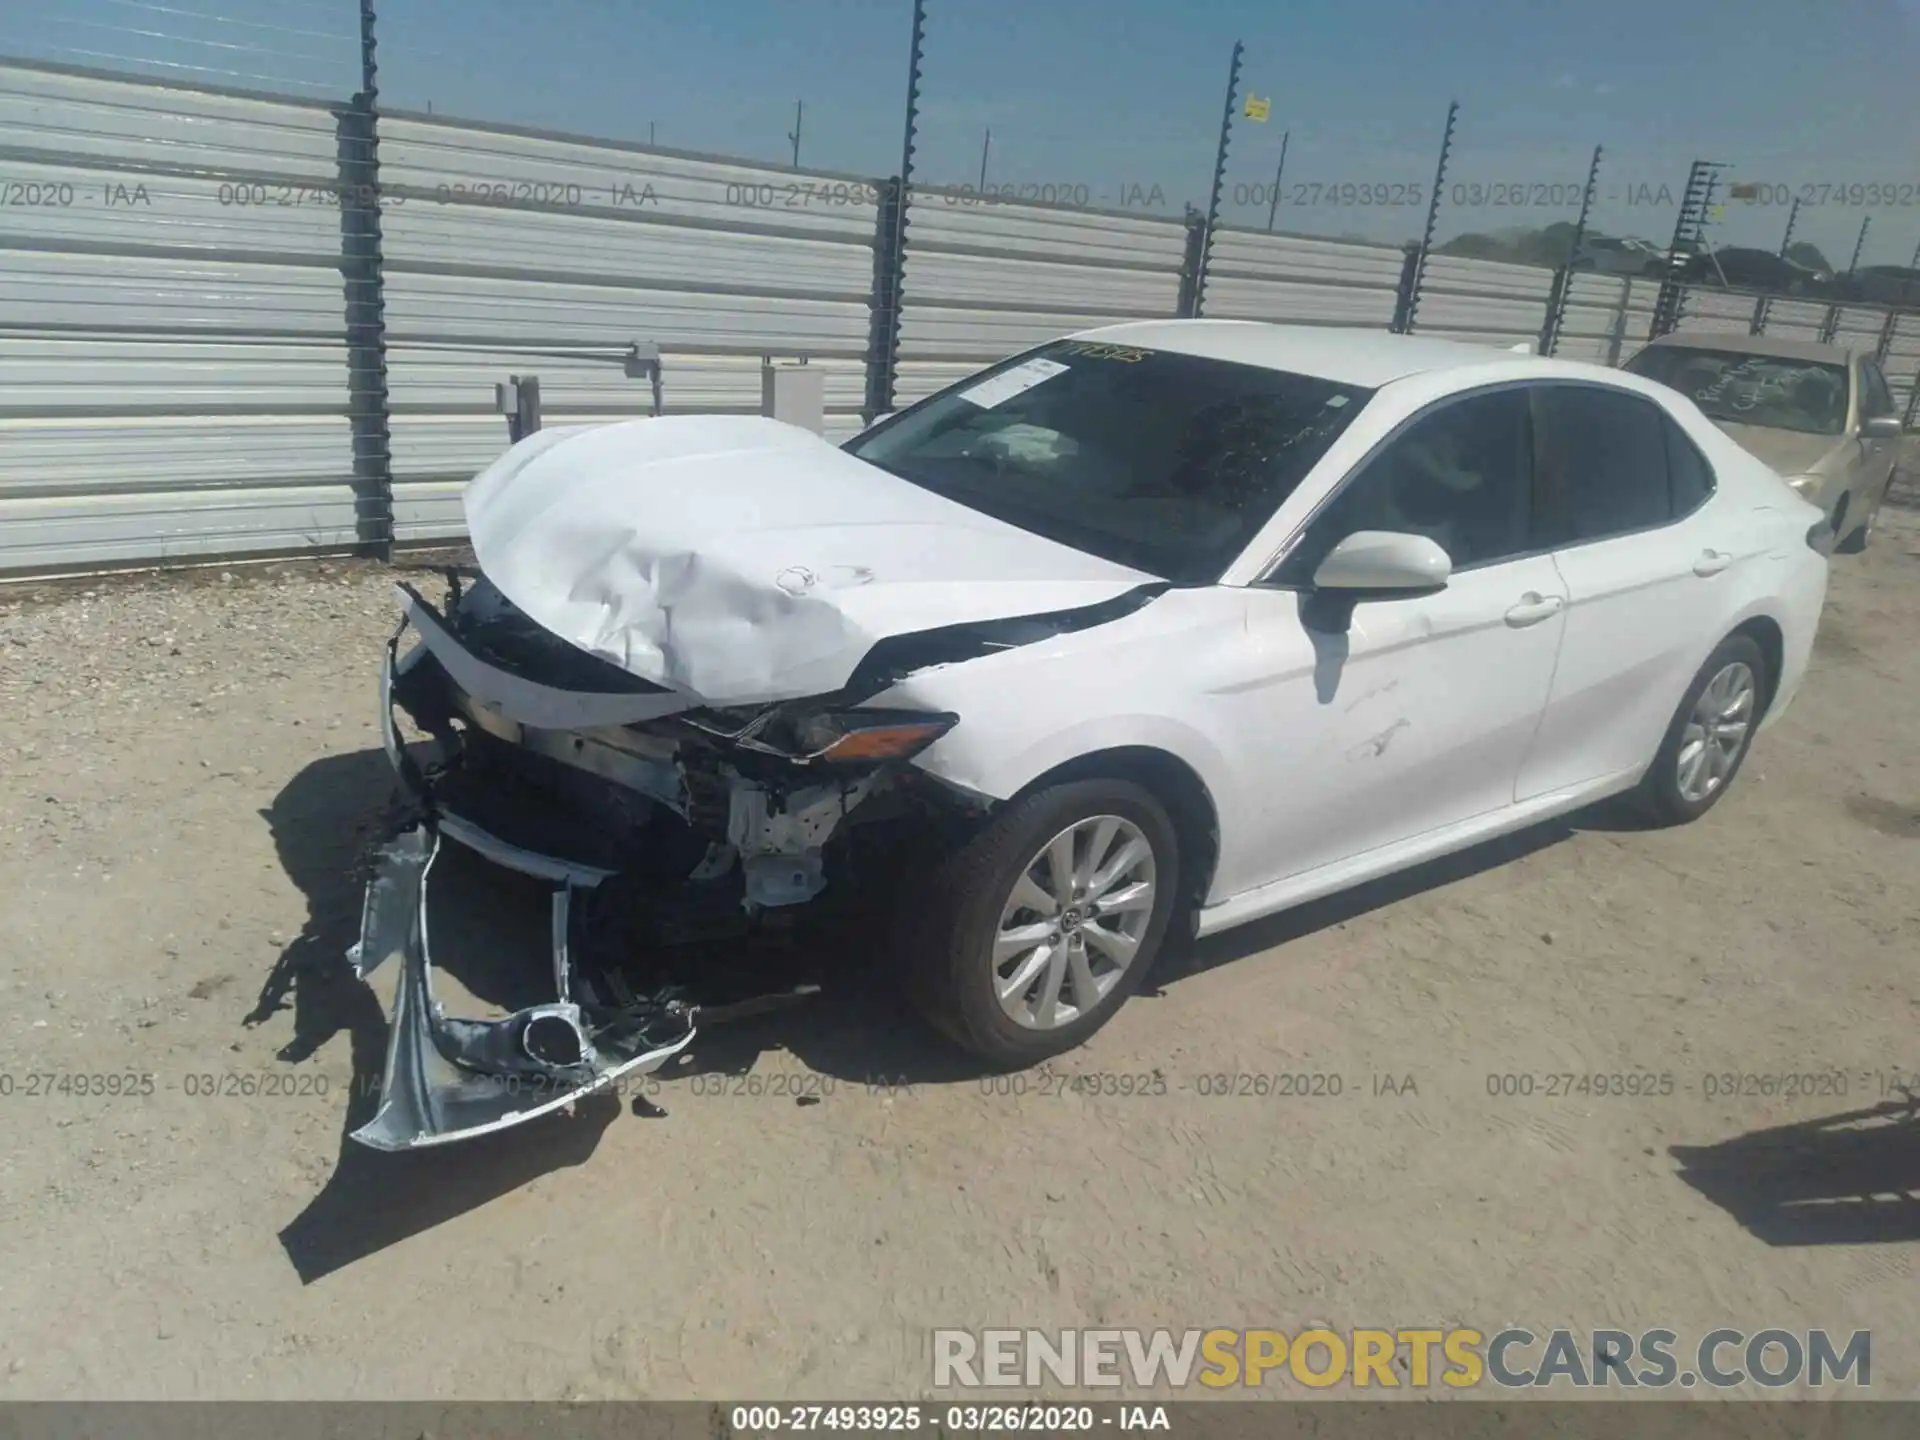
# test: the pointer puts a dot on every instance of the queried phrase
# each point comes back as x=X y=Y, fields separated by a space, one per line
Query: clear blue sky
x=1113 y=94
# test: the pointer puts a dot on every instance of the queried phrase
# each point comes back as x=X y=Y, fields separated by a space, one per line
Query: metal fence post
x=1273 y=200
x=1563 y=280
x=519 y=401
x=369 y=420
x=1617 y=336
x=1219 y=179
x=1830 y=326
x=883 y=325
x=890 y=245
x=1188 y=305
x=1689 y=237
x=1416 y=274
x=1403 y=290
x=1763 y=307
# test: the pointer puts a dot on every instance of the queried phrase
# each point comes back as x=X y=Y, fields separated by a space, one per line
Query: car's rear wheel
x=1027 y=938
x=1710 y=734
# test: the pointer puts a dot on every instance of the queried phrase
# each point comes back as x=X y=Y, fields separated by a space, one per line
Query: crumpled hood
x=740 y=559
x=1787 y=451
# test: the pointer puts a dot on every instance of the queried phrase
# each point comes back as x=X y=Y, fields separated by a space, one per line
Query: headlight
x=869 y=734
x=1802 y=484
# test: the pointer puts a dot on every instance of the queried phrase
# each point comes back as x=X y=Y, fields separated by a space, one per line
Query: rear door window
x=1603 y=458
x=1689 y=475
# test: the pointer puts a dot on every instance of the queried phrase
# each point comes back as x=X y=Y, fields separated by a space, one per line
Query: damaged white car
x=1166 y=626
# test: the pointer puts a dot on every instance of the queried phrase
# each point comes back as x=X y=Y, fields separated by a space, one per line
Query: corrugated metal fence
x=173 y=365
x=188 y=289
x=511 y=251
x=984 y=280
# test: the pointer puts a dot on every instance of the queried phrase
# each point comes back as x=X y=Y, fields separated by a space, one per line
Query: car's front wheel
x=1710 y=734
x=1858 y=538
x=1026 y=939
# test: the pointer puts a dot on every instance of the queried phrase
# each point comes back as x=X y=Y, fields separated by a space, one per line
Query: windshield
x=1163 y=462
x=1809 y=396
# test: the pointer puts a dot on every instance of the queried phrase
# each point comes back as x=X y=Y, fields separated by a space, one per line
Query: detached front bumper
x=448 y=1078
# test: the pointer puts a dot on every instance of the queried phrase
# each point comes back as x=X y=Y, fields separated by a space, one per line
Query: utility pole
x=799 y=114
x=986 y=144
x=1273 y=200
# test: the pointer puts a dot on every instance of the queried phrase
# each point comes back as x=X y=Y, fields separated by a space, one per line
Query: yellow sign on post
x=1258 y=109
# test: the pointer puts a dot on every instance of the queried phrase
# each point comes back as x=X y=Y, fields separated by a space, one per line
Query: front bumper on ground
x=452 y=1079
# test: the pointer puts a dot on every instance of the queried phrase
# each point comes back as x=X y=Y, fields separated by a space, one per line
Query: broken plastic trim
x=451 y=1079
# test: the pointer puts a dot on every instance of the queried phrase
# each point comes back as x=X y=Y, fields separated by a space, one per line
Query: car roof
x=1369 y=358
x=1732 y=343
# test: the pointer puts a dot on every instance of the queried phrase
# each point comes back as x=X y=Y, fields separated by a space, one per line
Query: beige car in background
x=1820 y=415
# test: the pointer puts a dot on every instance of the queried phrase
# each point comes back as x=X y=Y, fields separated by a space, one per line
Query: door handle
x=1533 y=608
x=1711 y=562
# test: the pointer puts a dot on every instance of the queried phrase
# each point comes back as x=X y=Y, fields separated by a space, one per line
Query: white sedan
x=1165 y=626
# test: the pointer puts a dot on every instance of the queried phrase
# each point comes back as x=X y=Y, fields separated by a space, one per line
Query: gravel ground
x=192 y=768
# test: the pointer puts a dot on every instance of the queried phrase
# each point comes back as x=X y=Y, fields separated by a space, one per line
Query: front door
x=1418 y=715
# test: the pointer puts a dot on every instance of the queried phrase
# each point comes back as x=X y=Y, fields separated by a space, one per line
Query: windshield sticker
x=1093 y=350
x=1009 y=383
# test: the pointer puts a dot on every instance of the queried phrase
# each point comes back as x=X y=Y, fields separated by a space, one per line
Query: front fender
x=978 y=764
x=1031 y=709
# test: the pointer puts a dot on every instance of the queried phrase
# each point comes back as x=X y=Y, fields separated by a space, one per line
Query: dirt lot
x=191 y=766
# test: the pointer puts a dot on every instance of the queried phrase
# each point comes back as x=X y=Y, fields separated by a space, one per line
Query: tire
x=1857 y=541
x=945 y=934
x=1663 y=793
x=1839 y=523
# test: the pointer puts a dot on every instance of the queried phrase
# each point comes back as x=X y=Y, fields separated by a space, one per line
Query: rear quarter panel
x=1782 y=577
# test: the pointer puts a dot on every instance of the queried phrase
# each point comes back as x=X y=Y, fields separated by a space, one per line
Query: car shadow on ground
x=859 y=1031
x=1196 y=957
x=856 y=1030
x=1846 y=1179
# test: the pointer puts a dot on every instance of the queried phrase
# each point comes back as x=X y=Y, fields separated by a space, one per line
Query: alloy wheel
x=1073 y=922
x=1716 y=732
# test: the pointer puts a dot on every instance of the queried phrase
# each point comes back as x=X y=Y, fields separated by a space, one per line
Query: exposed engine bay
x=659 y=826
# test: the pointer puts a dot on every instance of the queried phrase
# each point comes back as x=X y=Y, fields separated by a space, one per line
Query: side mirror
x=1882 y=427
x=1384 y=563
x=1372 y=565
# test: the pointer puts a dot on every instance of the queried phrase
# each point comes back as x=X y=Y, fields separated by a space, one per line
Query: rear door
x=1629 y=498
